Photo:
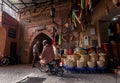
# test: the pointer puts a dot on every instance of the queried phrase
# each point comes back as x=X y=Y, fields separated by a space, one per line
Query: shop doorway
x=13 y=55
x=13 y=48
x=40 y=37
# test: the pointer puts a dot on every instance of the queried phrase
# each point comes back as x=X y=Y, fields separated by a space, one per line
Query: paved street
x=13 y=74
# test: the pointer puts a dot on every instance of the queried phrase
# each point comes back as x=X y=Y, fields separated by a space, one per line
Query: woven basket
x=80 y=64
x=73 y=57
x=101 y=58
x=94 y=55
x=85 y=57
x=92 y=59
x=84 y=52
x=101 y=63
x=103 y=55
x=91 y=64
x=71 y=63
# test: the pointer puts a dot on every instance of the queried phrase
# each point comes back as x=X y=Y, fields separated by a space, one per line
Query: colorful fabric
x=73 y=15
x=60 y=40
x=83 y=4
x=79 y=8
x=87 y=3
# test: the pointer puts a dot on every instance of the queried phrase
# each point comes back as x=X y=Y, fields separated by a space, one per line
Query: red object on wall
x=107 y=48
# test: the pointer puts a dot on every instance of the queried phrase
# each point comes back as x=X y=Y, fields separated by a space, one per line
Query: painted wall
x=2 y=39
x=7 y=23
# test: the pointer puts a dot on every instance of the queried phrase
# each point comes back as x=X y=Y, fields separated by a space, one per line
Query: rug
x=32 y=80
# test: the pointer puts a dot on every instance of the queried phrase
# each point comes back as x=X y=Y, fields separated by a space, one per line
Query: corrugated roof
x=21 y=5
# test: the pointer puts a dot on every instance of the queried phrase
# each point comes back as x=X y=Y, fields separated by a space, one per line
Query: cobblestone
x=15 y=73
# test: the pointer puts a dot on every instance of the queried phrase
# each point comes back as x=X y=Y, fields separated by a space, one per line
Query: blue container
x=92 y=70
x=101 y=69
x=80 y=70
x=71 y=69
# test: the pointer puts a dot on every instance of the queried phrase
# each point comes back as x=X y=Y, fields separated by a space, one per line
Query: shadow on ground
x=32 y=80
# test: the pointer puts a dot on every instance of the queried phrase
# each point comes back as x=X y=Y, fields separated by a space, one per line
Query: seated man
x=47 y=54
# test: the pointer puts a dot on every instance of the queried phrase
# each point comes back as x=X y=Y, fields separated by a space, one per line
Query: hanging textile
x=54 y=41
x=60 y=40
x=118 y=28
x=83 y=4
x=87 y=3
x=90 y=5
x=56 y=37
x=73 y=15
x=78 y=8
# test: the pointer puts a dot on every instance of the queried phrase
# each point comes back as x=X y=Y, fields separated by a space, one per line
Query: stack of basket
x=102 y=62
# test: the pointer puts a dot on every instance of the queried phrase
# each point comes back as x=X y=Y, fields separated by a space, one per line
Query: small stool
x=118 y=68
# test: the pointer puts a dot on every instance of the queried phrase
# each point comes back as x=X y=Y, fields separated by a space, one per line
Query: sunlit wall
x=4 y=7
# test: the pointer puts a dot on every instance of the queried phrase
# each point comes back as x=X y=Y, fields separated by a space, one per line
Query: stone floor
x=15 y=73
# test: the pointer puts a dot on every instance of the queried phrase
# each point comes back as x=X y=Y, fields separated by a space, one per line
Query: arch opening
x=40 y=37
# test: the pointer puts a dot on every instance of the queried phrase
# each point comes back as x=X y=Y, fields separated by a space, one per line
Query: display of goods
x=101 y=63
x=80 y=64
x=94 y=55
x=91 y=64
x=85 y=57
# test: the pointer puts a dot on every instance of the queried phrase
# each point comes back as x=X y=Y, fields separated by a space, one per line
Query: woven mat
x=32 y=80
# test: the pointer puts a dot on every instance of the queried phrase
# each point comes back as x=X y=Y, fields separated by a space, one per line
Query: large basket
x=91 y=64
x=103 y=55
x=85 y=57
x=101 y=63
x=69 y=63
x=80 y=64
x=101 y=58
x=94 y=55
